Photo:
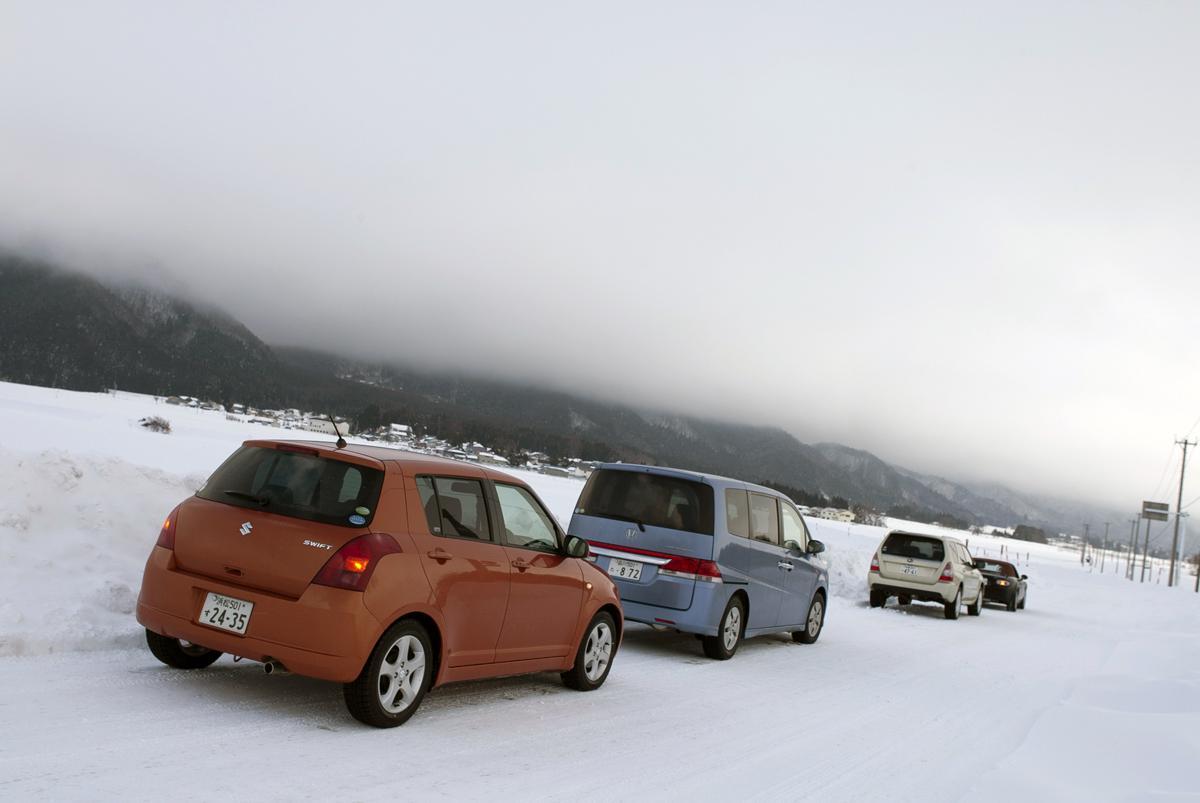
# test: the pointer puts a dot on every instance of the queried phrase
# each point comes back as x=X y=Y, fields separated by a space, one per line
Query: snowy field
x=1092 y=693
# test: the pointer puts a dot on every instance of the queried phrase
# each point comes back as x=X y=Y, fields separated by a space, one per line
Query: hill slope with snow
x=1091 y=693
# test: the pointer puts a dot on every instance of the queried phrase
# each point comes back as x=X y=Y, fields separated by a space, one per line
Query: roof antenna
x=341 y=442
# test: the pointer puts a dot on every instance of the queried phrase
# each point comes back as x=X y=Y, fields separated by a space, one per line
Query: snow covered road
x=1092 y=693
x=1047 y=702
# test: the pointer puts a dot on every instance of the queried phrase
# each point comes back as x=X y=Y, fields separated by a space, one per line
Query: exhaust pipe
x=273 y=667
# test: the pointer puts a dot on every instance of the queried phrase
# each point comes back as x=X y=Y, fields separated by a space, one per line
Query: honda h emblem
x=630 y=533
x=245 y=528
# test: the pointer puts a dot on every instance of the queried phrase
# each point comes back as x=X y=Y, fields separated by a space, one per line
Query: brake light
x=166 y=536
x=676 y=565
x=947 y=574
x=351 y=566
x=692 y=568
x=875 y=564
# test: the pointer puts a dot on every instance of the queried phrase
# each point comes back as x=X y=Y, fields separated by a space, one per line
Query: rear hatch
x=912 y=558
x=272 y=515
x=636 y=521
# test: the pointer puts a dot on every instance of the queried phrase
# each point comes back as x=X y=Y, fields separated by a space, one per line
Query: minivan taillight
x=692 y=569
x=947 y=574
x=676 y=565
x=166 y=536
x=875 y=564
x=351 y=566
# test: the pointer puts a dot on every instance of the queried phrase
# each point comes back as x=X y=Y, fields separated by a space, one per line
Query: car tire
x=1011 y=602
x=594 y=658
x=952 y=608
x=1021 y=604
x=815 y=622
x=878 y=599
x=976 y=607
x=402 y=654
x=730 y=630
x=179 y=654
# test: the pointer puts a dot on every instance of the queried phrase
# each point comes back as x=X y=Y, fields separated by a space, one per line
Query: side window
x=429 y=502
x=764 y=518
x=526 y=524
x=454 y=506
x=737 y=512
x=793 y=526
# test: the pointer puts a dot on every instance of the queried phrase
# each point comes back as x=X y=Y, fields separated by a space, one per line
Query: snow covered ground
x=1092 y=693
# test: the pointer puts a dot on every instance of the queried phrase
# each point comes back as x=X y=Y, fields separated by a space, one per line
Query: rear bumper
x=995 y=593
x=327 y=633
x=941 y=592
x=702 y=618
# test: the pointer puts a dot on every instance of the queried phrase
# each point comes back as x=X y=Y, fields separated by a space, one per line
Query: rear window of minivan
x=296 y=483
x=652 y=500
x=903 y=545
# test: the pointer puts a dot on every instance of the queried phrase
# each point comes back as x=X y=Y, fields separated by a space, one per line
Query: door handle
x=439 y=554
x=520 y=564
x=783 y=564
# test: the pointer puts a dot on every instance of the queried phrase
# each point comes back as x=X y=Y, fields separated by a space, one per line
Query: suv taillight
x=875 y=564
x=947 y=574
x=351 y=566
x=166 y=536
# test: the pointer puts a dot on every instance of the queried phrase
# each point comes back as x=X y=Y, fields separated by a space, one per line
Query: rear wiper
x=261 y=501
x=641 y=526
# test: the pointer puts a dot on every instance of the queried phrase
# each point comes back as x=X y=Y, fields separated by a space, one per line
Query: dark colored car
x=1004 y=584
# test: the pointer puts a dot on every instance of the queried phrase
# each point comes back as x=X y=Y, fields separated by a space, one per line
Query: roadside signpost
x=1156 y=511
x=1152 y=511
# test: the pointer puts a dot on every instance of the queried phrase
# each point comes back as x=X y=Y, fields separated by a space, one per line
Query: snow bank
x=74 y=534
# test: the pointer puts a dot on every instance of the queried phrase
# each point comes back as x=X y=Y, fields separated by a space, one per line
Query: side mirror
x=815 y=546
x=792 y=546
x=576 y=547
x=1024 y=577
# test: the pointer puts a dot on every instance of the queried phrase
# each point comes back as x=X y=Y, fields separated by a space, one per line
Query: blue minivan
x=717 y=557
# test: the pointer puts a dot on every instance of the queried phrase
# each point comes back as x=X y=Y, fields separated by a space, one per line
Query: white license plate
x=625 y=569
x=910 y=570
x=226 y=613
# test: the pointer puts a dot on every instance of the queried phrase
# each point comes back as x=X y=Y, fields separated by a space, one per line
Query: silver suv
x=930 y=568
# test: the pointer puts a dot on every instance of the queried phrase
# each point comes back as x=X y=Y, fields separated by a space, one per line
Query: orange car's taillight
x=166 y=536
x=351 y=566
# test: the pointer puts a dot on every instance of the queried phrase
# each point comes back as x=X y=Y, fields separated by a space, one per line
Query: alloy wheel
x=733 y=628
x=401 y=674
x=814 y=618
x=598 y=651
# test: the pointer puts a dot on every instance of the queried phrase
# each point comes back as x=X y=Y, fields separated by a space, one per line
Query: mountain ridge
x=64 y=329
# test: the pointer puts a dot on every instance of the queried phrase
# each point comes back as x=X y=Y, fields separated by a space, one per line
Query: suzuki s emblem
x=630 y=534
x=245 y=528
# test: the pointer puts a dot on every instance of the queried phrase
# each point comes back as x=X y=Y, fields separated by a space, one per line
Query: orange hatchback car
x=387 y=571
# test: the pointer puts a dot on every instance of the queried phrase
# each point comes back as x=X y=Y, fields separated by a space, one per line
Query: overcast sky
x=964 y=238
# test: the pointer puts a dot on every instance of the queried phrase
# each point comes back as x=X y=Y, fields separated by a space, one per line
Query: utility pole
x=1104 y=548
x=1133 y=523
x=1178 y=510
x=1145 y=550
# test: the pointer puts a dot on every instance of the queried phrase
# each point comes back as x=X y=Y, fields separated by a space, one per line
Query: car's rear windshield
x=297 y=483
x=652 y=500
x=996 y=567
x=903 y=545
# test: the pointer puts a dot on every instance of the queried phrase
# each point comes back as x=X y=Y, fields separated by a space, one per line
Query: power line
x=1170 y=462
x=1185 y=443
